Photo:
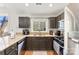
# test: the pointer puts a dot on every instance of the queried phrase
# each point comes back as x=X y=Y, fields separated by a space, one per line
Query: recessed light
x=50 y=5
x=26 y=4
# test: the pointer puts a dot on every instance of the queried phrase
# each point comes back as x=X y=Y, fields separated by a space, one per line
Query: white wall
x=12 y=20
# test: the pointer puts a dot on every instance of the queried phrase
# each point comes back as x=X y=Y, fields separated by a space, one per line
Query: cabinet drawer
x=13 y=52
x=9 y=49
x=2 y=53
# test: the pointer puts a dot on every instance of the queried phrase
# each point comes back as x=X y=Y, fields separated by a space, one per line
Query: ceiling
x=36 y=10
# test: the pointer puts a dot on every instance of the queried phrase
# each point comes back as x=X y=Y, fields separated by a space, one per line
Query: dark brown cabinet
x=12 y=50
x=49 y=43
x=2 y=53
x=52 y=22
x=32 y=43
x=24 y=22
x=15 y=48
x=62 y=16
x=58 y=18
x=39 y=43
x=28 y=43
x=35 y=44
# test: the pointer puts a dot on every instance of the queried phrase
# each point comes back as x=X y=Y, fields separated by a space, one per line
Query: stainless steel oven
x=58 y=45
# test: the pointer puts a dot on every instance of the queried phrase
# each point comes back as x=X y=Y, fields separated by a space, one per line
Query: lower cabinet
x=39 y=43
x=12 y=50
x=2 y=53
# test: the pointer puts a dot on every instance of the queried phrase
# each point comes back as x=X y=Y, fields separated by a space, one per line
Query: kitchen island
x=39 y=43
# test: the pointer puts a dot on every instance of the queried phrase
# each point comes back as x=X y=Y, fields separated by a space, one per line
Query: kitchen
x=32 y=28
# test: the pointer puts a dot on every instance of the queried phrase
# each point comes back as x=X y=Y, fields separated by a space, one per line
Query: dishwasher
x=20 y=46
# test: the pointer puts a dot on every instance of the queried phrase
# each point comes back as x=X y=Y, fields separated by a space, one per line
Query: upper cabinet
x=60 y=17
x=24 y=22
x=52 y=22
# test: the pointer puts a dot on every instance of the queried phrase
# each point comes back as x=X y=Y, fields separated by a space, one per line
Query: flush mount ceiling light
x=50 y=5
x=39 y=4
x=26 y=4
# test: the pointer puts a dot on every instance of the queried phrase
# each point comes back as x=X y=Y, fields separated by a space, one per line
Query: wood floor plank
x=50 y=52
x=26 y=52
x=22 y=52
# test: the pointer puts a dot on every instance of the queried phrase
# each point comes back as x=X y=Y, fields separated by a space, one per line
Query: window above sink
x=38 y=25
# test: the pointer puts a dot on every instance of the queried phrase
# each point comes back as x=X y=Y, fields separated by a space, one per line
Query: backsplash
x=39 y=33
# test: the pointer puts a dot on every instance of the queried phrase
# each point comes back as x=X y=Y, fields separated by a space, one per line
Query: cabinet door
x=58 y=18
x=39 y=43
x=52 y=22
x=36 y=44
x=13 y=52
x=9 y=50
x=2 y=53
x=62 y=16
x=49 y=43
x=42 y=42
x=24 y=22
x=28 y=43
x=56 y=22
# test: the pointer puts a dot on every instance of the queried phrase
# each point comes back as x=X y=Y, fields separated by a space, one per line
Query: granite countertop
x=39 y=35
x=17 y=38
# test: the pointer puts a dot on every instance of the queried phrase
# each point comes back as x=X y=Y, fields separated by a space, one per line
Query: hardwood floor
x=28 y=53
x=50 y=52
